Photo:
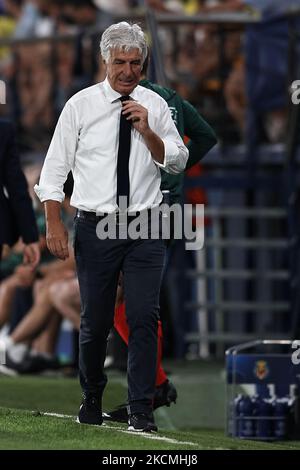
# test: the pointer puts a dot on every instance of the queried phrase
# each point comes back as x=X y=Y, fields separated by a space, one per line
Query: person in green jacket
x=189 y=124
x=201 y=139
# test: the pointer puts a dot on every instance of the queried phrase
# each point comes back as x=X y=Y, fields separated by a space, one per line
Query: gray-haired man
x=86 y=140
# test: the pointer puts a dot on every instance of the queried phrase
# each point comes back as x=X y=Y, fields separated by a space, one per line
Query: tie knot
x=124 y=98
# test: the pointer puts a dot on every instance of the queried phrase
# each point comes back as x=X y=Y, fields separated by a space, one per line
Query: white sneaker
x=109 y=360
x=3 y=349
x=7 y=371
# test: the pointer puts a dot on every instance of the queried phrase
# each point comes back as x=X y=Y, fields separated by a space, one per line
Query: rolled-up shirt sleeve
x=60 y=157
x=176 y=153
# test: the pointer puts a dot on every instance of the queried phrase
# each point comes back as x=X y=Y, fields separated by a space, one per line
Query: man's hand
x=57 y=235
x=57 y=239
x=32 y=255
x=139 y=116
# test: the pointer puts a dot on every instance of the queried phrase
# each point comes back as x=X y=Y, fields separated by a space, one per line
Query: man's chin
x=126 y=89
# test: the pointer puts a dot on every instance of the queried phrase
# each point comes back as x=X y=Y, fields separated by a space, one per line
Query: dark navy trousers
x=99 y=263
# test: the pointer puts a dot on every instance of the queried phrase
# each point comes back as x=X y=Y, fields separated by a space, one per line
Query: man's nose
x=127 y=70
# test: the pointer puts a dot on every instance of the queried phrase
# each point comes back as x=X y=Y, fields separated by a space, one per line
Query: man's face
x=124 y=70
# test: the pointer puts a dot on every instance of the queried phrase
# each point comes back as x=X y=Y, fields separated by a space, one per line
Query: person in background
x=16 y=211
x=201 y=139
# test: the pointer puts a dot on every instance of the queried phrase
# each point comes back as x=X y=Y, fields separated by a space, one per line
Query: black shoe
x=141 y=422
x=90 y=411
x=164 y=395
x=38 y=363
x=119 y=415
x=32 y=364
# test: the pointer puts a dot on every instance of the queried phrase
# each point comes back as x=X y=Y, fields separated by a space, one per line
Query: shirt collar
x=112 y=95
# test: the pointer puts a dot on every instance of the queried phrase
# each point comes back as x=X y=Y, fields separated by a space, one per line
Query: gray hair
x=123 y=36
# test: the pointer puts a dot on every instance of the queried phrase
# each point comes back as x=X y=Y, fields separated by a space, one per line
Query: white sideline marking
x=140 y=434
x=56 y=415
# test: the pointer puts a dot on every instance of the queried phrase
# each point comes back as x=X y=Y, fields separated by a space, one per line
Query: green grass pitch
x=26 y=421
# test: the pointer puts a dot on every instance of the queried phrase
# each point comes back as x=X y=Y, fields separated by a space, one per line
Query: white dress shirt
x=85 y=141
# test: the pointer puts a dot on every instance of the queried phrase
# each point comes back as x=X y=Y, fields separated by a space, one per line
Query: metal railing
x=216 y=272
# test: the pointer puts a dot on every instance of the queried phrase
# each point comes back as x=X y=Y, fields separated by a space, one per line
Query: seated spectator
x=235 y=94
x=39 y=281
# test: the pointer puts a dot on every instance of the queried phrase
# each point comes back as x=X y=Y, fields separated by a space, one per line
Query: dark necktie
x=123 y=157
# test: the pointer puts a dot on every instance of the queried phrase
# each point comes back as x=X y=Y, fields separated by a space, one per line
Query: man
x=114 y=136
x=202 y=138
x=16 y=212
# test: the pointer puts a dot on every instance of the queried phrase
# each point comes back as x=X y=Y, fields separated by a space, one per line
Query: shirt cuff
x=48 y=193
x=171 y=154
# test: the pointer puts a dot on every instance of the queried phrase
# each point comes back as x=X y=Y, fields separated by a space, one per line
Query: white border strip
x=116 y=428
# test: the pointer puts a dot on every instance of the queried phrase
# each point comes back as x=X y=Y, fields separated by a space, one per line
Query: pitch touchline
x=116 y=428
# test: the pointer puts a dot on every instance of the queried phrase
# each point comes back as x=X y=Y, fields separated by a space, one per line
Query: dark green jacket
x=189 y=123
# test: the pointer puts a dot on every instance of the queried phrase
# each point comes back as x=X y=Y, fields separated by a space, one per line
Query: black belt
x=118 y=218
